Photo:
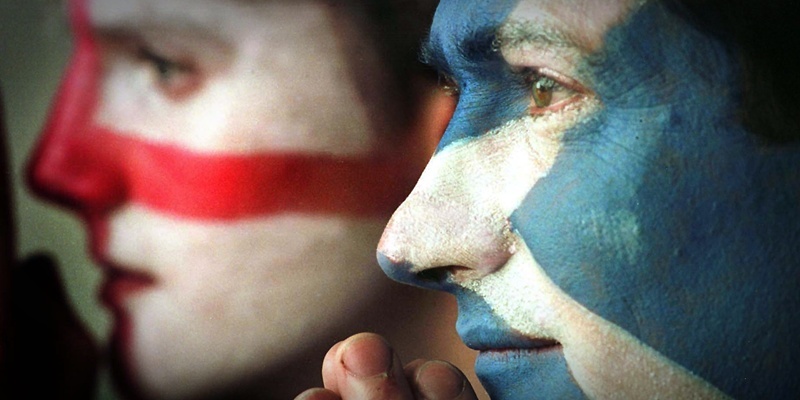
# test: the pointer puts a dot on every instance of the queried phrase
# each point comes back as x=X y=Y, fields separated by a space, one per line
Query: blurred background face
x=225 y=159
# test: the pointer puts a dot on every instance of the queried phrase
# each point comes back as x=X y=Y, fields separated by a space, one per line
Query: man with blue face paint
x=615 y=204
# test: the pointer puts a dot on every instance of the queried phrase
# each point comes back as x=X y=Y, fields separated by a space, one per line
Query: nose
x=447 y=231
x=68 y=165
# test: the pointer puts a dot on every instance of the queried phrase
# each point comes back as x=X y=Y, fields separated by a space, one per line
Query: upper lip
x=98 y=228
x=114 y=272
x=120 y=281
x=485 y=338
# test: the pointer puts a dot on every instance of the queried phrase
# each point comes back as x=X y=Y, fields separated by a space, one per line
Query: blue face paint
x=514 y=374
x=461 y=44
x=671 y=220
x=661 y=214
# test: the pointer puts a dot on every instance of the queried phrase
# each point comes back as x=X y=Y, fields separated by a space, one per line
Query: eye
x=547 y=93
x=175 y=78
x=448 y=85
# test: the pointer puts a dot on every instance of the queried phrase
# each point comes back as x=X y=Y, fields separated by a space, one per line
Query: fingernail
x=367 y=356
x=438 y=380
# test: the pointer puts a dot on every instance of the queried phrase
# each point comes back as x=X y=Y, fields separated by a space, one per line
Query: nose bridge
x=445 y=223
x=66 y=166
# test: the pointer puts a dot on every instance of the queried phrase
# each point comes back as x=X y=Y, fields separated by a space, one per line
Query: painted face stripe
x=208 y=186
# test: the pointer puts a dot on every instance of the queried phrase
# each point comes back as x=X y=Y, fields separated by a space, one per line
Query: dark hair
x=765 y=34
x=395 y=29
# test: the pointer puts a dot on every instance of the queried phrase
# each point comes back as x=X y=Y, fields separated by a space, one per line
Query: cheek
x=267 y=251
x=583 y=221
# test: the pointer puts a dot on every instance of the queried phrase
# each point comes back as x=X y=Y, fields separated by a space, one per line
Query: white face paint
x=457 y=219
x=606 y=361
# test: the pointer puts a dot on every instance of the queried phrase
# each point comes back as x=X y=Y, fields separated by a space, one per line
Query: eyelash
x=548 y=93
x=163 y=66
x=543 y=87
x=174 y=78
x=448 y=85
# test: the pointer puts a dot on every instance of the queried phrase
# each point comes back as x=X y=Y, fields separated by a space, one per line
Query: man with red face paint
x=235 y=163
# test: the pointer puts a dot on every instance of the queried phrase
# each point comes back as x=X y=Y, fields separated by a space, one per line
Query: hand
x=364 y=367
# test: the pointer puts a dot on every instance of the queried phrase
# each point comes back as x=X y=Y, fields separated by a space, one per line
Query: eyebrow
x=476 y=46
x=482 y=45
x=518 y=33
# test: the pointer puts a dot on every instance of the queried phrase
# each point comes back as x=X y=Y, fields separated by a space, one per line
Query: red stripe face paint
x=99 y=169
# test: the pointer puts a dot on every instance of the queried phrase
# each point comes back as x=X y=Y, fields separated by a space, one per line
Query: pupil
x=543 y=92
x=164 y=68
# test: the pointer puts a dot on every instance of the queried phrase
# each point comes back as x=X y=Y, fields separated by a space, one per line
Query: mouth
x=521 y=345
x=489 y=336
x=540 y=347
x=121 y=284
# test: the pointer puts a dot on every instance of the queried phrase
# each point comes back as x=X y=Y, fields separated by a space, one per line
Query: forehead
x=222 y=18
x=580 y=22
x=585 y=22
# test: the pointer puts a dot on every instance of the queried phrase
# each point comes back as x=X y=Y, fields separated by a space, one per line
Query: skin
x=231 y=189
x=626 y=238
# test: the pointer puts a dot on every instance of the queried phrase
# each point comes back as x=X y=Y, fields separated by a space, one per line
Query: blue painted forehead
x=464 y=26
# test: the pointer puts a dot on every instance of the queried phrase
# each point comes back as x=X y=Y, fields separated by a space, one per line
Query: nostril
x=440 y=275
x=436 y=278
x=397 y=270
x=401 y=271
x=433 y=275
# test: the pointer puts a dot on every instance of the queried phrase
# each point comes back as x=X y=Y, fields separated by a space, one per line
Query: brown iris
x=542 y=91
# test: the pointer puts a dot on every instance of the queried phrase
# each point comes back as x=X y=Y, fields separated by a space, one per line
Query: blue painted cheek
x=665 y=217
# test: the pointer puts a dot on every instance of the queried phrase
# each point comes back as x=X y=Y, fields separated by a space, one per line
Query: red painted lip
x=121 y=284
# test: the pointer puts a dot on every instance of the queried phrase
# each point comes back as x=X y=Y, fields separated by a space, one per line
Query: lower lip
x=493 y=361
x=521 y=352
x=526 y=373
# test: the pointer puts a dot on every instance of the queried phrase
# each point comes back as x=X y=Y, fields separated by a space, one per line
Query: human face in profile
x=608 y=226
x=225 y=158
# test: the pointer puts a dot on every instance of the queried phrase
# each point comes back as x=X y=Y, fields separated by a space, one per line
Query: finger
x=410 y=370
x=329 y=365
x=368 y=369
x=318 y=394
x=439 y=380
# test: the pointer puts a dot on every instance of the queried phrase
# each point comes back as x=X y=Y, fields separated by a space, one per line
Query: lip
x=509 y=345
x=526 y=373
x=486 y=336
x=121 y=284
x=480 y=329
x=501 y=347
x=537 y=346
